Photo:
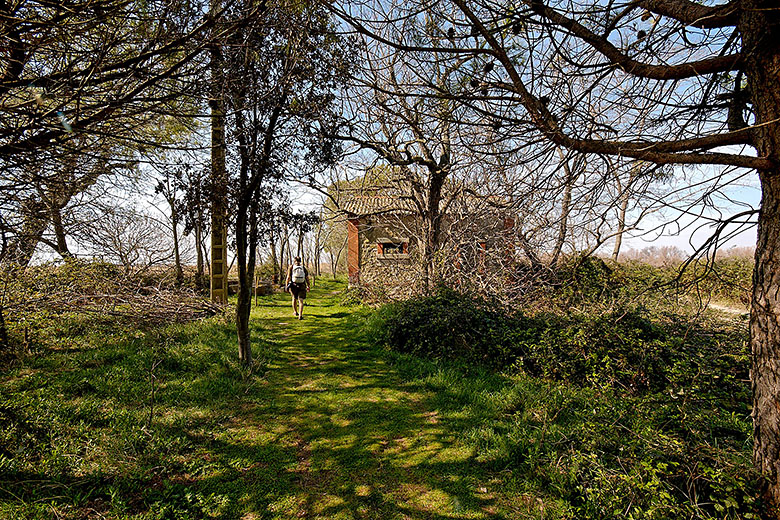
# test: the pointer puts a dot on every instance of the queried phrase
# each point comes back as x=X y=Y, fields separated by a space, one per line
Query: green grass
x=327 y=426
x=324 y=428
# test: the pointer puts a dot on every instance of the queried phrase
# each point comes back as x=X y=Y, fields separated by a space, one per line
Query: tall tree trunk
x=274 y=264
x=765 y=343
x=250 y=179
x=219 y=275
x=246 y=246
x=432 y=227
x=282 y=269
x=760 y=29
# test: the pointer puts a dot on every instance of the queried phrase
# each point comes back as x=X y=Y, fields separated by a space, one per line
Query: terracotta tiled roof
x=363 y=205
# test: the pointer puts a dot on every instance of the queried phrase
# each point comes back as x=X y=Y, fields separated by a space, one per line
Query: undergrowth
x=596 y=453
x=622 y=410
x=100 y=415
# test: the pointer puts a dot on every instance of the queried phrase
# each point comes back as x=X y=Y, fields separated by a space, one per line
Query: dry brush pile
x=94 y=290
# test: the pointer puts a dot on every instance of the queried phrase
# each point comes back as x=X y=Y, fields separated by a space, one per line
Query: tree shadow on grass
x=369 y=445
x=331 y=431
x=335 y=316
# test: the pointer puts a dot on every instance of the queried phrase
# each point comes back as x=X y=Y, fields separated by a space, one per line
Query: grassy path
x=345 y=436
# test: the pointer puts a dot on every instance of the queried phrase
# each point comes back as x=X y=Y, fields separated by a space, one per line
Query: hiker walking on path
x=298 y=285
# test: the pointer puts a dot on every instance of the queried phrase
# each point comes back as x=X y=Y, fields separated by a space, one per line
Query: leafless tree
x=126 y=236
x=400 y=115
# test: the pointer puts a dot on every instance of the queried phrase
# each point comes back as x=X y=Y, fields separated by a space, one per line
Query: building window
x=392 y=248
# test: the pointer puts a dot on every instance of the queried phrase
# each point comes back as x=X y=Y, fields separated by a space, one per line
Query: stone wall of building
x=396 y=274
x=467 y=247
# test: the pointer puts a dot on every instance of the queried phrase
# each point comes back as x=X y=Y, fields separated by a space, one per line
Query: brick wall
x=353 y=251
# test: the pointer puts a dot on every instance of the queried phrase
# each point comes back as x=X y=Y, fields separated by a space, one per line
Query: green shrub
x=616 y=403
x=585 y=279
x=449 y=325
x=730 y=280
x=598 y=287
x=621 y=349
x=599 y=453
x=265 y=271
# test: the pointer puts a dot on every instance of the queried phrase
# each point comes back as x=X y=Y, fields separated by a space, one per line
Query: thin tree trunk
x=59 y=231
x=338 y=256
x=316 y=255
x=5 y=346
x=621 y=224
x=206 y=260
x=625 y=198
x=245 y=214
x=300 y=245
x=288 y=249
x=198 y=256
x=179 y=272
x=563 y=223
x=246 y=245
x=274 y=264
x=246 y=253
x=282 y=269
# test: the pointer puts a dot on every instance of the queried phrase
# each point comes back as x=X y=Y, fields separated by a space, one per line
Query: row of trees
x=97 y=91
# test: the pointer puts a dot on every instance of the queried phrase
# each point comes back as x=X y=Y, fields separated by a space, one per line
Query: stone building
x=383 y=238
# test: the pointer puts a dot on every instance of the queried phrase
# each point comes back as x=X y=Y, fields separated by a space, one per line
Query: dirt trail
x=727 y=309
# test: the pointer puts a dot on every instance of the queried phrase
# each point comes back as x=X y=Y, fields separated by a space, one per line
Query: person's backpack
x=298 y=274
